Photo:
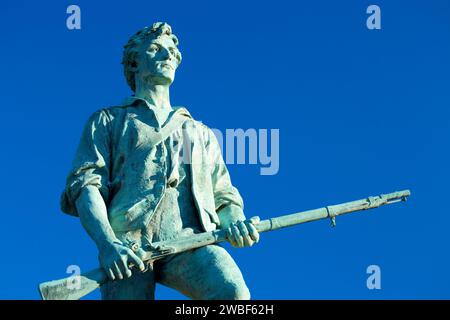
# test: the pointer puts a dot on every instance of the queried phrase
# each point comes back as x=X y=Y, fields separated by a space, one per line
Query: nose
x=167 y=55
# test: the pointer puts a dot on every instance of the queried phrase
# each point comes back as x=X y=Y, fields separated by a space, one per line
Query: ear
x=133 y=66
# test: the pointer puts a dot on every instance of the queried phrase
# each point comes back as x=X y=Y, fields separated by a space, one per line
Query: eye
x=153 y=48
x=175 y=53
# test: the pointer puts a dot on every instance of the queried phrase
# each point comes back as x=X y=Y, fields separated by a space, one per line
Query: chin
x=169 y=76
x=168 y=80
x=162 y=78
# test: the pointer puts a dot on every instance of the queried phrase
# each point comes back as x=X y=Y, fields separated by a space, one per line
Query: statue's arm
x=87 y=192
x=230 y=214
x=113 y=254
x=93 y=215
x=91 y=164
x=228 y=201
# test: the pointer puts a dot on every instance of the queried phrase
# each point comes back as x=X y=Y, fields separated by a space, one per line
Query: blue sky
x=360 y=112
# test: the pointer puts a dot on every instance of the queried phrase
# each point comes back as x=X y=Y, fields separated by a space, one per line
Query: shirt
x=118 y=153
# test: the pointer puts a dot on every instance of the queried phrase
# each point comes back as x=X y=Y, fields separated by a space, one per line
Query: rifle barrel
x=331 y=211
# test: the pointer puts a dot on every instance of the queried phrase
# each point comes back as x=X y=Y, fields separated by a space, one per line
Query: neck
x=157 y=95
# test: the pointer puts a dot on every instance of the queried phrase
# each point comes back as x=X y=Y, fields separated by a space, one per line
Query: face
x=158 y=60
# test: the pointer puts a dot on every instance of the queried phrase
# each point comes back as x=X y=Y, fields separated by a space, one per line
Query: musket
x=64 y=289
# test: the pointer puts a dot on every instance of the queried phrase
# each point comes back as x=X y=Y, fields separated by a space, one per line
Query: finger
x=136 y=260
x=255 y=220
x=124 y=266
x=237 y=236
x=254 y=234
x=117 y=272
x=248 y=241
x=230 y=237
x=110 y=274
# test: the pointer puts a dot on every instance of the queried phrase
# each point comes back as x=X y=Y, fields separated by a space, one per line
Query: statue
x=150 y=187
x=131 y=184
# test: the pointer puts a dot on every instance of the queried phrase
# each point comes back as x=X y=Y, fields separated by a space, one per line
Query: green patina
x=131 y=182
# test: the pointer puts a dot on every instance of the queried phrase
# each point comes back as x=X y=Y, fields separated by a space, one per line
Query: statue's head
x=151 y=55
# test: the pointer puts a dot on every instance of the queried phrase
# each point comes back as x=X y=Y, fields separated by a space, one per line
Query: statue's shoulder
x=193 y=124
x=204 y=130
x=184 y=112
x=110 y=113
x=203 y=126
x=115 y=109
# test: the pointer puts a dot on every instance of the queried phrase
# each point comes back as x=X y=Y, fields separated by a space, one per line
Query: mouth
x=166 y=65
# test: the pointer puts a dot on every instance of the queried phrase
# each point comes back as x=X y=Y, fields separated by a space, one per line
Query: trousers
x=207 y=273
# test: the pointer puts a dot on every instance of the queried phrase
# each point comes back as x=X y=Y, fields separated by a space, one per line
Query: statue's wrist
x=107 y=242
x=229 y=215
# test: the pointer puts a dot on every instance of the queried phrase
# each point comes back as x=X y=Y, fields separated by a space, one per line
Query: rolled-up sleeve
x=91 y=164
x=224 y=191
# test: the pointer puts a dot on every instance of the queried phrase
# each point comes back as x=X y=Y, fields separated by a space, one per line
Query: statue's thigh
x=204 y=274
x=140 y=286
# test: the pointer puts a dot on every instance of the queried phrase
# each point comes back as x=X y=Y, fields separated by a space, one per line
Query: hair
x=131 y=49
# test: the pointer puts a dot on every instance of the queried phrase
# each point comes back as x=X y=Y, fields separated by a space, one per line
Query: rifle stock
x=64 y=289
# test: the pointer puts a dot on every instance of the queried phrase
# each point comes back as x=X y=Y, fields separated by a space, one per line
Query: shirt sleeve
x=224 y=191
x=91 y=164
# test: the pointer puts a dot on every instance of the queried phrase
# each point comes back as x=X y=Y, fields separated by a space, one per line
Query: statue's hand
x=115 y=259
x=243 y=233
